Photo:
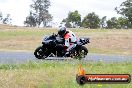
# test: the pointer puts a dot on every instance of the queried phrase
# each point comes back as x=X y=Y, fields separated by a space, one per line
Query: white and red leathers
x=70 y=40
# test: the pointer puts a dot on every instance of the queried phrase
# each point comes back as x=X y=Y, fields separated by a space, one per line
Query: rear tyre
x=39 y=53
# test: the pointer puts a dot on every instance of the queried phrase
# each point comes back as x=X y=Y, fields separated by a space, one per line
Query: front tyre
x=39 y=53
x=81 y=52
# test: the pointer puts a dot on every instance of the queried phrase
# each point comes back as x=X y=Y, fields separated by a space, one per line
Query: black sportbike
x=51 y=47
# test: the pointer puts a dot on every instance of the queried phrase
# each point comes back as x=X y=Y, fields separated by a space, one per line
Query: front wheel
x=81 y=52
x=39 y=53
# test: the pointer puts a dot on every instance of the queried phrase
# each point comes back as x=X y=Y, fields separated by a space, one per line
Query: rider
x=70 y=39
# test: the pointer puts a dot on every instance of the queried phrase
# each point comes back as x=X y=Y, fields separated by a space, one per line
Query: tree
x=40 y=12
x=125 y=9
x=103 y=22
x=123 y=22
x=7 y=19
x=75 y=18
x=67 y=23
x=112 y=23
x=1 y=16
x=91 y=21
x=30 y=20
x=64 y=20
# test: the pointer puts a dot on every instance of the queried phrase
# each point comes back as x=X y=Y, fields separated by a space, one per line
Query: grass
x=102 y=41
x=61 y=74
x=58 y=74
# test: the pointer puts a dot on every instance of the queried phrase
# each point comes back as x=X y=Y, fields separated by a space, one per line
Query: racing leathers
x=70 y=40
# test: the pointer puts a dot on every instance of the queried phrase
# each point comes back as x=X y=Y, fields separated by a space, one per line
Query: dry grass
x=102 y=41
x=119 y=43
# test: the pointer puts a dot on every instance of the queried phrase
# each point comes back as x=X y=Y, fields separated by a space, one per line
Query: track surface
x=22 y=57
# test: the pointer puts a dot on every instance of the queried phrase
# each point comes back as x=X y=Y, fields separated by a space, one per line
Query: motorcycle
x=50 y=44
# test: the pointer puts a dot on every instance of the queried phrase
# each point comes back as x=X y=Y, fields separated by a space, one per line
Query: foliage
x=67 y=23
x=91 y=21
x=6 y=20
x=39 y=13
x=118 y=23
x=30 y=20
x=75 y=18
x=123 y=23
x=1 y=16
x=125 y=9
x=112 y=23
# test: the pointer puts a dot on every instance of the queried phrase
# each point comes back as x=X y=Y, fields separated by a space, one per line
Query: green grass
x=58 y=74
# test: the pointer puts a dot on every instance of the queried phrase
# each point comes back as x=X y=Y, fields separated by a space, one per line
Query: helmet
x=62 y=31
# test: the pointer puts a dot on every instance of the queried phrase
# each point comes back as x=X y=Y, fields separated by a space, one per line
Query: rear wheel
x=39 y=53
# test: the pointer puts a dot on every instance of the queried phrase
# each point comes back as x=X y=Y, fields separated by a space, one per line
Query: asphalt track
x=7 y=57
